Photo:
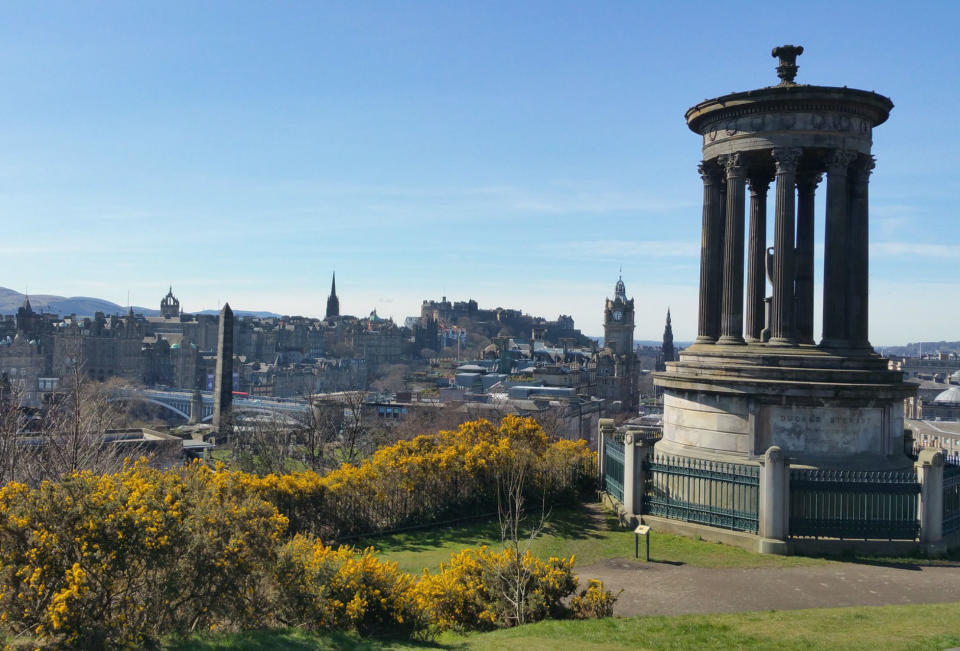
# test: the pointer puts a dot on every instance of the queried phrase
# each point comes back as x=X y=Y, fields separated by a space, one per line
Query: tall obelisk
x=223 y=381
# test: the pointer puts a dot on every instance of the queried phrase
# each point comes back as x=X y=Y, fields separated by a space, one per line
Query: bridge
x=179 y=401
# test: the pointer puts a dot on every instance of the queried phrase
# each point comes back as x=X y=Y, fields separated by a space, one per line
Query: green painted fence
x=853 y=505
x=724 y=495
x=613 y=467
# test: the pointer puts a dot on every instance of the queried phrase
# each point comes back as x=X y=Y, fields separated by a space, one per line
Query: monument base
x=823 y=408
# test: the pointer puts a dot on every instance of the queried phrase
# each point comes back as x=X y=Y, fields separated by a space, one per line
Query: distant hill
x=10 y=302
x=914 y=349
x=85 y=306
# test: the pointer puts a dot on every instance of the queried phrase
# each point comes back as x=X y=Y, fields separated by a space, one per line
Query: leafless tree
x=391 y=378
x=13 y=427
x=69 y=434
x=513 y=481
x=264 y=443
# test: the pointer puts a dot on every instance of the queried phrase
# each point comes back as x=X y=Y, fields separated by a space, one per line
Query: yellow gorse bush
x=469 y=592
x=95 y=561
x=345 y=589
x=427 y=478
x=115 y=559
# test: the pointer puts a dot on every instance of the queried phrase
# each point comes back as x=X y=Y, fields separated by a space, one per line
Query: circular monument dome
x=955 y=376
x=950 y=395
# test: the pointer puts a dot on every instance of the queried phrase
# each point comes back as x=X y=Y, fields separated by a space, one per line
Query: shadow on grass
x=915 y=561
x=294 y=641
x=575 y=522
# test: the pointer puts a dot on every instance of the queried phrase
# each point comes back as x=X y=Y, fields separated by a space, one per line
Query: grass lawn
x=586 y=531
x=932 y=626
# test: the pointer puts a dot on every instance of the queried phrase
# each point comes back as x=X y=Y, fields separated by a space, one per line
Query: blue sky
x=518 y=153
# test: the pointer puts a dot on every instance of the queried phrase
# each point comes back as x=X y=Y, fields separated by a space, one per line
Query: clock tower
x=618 y=322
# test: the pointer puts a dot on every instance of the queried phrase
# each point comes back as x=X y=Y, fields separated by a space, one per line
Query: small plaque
x=642 y=529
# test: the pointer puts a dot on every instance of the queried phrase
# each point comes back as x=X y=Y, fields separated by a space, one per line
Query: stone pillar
x=731 y=327
x=806 y=191
x=756 y=257
x=223 y=381
x=782 y=326
x=859 y=254
x=196 y=407
x=774 y=493
x=630 y=505
x=711 y=256
x=606 y=427
x=929 y=469
x=640 y=450
x=835 y=262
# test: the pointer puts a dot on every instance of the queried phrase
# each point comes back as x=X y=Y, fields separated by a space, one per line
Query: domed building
x=946 y=406
x=951 y=395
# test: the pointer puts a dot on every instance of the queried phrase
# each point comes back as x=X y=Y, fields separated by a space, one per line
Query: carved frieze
x=826 y=121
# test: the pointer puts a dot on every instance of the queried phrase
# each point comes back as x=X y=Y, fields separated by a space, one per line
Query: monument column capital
x=807 y=182
x=786 y=159
x=732 y=165
x=709 y=171
x=861 y=169
x=838 y=161
x=759 y=183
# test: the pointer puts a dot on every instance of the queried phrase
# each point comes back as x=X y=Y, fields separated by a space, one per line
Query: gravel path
x=666 y=589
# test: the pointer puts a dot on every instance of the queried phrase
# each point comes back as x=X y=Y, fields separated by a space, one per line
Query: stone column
x=835 y=262
x=929 y=469
x=806 y=191
x=711 y=256
x=859 y=254
x=774 y=485
x=756 y=257
x=731 y=326
x=781 y=327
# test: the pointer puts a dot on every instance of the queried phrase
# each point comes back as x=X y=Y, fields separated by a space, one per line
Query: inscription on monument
x=825 y=430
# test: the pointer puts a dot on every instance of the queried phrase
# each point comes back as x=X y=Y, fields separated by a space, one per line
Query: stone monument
x=734 y=393
x=223 y=380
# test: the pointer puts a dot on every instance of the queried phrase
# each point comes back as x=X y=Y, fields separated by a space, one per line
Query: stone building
x=169 y=306
x=103 y=347
x=23 y=363
x=381 y=341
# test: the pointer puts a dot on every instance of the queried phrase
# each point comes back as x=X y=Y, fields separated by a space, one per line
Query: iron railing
x=613 y=467
x=853 y=504
x=724 y=495
x=951 y=498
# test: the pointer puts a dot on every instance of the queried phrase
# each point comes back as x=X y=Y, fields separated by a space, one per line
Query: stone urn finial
x=787 y=69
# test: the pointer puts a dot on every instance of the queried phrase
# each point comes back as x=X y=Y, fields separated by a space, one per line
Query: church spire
x=333 y=303
x=669 y=353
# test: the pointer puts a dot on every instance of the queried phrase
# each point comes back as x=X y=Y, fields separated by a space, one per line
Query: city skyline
x=518 y=156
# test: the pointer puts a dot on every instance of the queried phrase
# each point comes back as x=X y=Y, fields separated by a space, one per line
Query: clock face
x=617 y=315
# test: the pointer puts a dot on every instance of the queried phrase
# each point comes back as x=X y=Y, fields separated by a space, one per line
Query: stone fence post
x=606 y=428
x=774 y=507
x=634 y=480
x=629 y=476
x=929 y=469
